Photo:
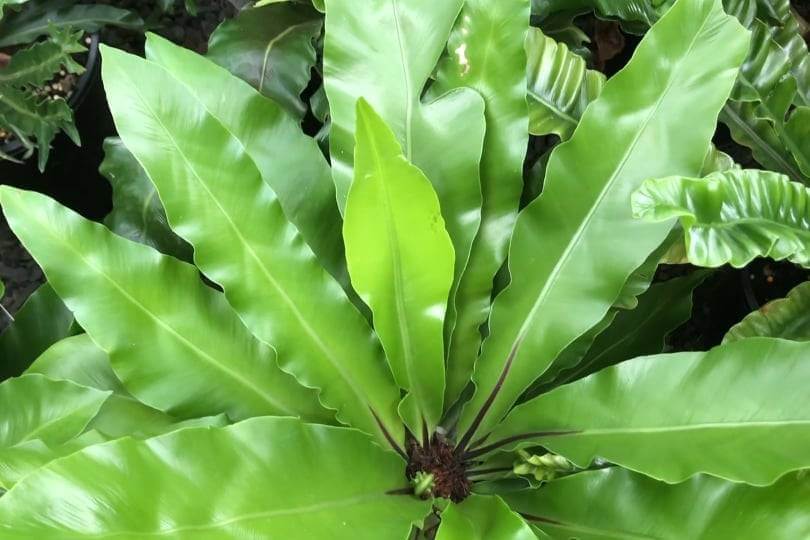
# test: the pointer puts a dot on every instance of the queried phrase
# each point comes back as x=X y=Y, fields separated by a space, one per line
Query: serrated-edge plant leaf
x=39 y=63
x=43 y=17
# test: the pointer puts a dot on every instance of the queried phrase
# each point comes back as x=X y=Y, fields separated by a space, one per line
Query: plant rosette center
x=437 y=470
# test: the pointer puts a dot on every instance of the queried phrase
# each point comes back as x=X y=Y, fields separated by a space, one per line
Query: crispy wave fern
x=277 y=399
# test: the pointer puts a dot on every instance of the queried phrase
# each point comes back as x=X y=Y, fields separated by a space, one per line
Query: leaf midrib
x=312 y=508
x=268 y=49
x=182 y=339
x=398 y=281
x=604 y=192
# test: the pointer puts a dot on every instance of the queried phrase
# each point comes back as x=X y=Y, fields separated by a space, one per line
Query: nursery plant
x=342 y=358
x=39 y=42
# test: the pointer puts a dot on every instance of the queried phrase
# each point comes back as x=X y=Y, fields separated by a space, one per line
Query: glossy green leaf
x=393 y=225
x=144 y=308
x=797 y=129
x=215 y=198
x=728 y=412
x=389 y=40
x=614 y=503
x=482 y=518
x=272 y=48
x=42 y=321
x=734 y=216
x=560 y=86
x=576 y=245
x=77 y=359
x=500 y=78
x=262 y=478
x=790 y=34
x=786 y=318
x=290 y=162
x=137 y=212
x=49 y=15
x=125 y=416
x=27 y=457
x=36 y=408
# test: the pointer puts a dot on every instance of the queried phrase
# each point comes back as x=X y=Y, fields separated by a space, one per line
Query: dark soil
x=440 y=460
x=179 y=26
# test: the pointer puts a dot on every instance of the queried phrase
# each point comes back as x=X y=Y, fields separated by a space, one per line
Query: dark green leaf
x=42 y=321
x=272 y=48
x=137 y=212
x=48 y=15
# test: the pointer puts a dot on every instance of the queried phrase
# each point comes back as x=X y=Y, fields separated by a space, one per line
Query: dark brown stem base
x=447 y=467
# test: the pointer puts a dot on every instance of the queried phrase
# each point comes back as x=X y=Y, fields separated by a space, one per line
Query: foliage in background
x=44 y=39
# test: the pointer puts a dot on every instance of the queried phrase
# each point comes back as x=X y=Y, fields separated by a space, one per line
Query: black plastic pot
x=15 y=148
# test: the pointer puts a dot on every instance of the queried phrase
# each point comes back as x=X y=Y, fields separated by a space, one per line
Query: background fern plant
x=44 y=39
x=358 y=371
